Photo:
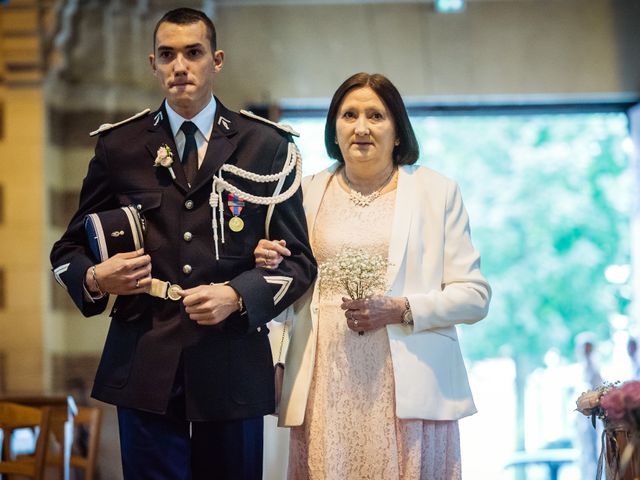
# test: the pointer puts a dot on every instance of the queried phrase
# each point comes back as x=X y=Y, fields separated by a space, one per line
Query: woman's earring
x=397 y=142
x=335 y=140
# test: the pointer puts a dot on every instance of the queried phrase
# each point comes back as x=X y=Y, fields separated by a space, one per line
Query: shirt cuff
x=89 y=297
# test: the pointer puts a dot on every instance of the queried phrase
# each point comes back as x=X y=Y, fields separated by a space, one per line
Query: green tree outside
x=549 y=198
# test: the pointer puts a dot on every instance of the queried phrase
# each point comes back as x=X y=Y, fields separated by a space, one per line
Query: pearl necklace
x=358 y=198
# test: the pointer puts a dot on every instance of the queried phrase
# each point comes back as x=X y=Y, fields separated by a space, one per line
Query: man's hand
x=126 y=273
x=210 y=304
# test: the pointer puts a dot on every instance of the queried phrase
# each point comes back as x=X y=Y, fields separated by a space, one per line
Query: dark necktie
x=190 y=152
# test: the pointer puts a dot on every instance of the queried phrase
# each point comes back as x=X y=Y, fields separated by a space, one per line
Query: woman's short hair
x=407 y=152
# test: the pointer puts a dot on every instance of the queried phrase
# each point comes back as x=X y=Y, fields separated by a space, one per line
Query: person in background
x=634 y=363
x=189 y=366
x=374 y=387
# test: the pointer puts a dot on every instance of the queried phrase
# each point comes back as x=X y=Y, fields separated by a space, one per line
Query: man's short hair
x=187 y=16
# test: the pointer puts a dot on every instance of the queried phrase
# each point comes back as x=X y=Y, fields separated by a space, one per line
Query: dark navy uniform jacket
x=227 y=368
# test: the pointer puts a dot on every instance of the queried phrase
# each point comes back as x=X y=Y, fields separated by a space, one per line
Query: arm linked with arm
x=266 y=293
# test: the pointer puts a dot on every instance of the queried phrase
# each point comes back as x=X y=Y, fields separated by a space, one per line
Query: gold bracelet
x=240 y=303
x=95 y=281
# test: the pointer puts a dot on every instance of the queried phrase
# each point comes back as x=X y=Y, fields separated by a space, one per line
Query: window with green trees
x=549 y=198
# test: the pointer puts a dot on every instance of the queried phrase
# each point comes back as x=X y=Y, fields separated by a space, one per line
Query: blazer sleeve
x=266 y=293
x=70 y=256
x=464 y=294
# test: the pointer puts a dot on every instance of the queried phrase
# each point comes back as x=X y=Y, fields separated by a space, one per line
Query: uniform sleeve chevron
x=284 y=282
x=59 y=271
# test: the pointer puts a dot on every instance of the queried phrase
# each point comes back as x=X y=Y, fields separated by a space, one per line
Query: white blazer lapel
x=405 y=203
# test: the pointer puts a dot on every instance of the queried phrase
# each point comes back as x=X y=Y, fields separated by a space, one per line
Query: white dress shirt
x=203 y=120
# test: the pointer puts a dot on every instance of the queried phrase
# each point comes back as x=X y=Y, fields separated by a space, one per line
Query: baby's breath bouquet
x=355 y=272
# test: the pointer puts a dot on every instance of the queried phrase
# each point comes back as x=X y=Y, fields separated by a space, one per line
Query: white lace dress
x=350 y=430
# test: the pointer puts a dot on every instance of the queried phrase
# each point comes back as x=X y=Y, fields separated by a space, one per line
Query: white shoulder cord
x=219 y=185
x=271 y=208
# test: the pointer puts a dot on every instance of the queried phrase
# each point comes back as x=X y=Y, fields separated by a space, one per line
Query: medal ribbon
x=236 y=204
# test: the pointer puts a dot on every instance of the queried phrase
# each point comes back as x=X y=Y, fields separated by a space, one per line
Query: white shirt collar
x=203 y=120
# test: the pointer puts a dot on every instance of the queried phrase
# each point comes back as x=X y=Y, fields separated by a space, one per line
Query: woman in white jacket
x=374 y=387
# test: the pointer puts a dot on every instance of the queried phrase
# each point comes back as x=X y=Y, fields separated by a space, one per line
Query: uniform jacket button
x=187 y=269
x=187 y=236
x=188 y=204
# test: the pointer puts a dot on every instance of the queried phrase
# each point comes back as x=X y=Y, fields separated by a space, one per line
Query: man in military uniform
x=189 y=367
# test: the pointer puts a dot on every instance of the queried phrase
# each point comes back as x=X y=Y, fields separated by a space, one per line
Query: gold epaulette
x=279 y=126
x=108 y=126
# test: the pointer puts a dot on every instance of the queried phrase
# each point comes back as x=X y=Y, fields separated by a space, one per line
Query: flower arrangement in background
x=589 y=403
x=613 y=401
x=618 y=406
x=355 y=272
x=623 y=404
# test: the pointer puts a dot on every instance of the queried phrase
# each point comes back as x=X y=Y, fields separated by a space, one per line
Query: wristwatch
x=407 y=316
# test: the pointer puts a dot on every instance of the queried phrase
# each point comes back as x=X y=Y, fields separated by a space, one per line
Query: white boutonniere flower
x=164 y=158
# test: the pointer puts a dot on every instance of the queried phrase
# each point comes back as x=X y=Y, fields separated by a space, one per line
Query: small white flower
x=164 y=158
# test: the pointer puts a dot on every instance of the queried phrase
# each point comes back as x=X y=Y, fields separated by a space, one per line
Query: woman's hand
x=269 y=253
x=372 y=313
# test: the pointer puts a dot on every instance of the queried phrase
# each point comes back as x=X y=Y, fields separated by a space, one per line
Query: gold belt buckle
x=172 y=292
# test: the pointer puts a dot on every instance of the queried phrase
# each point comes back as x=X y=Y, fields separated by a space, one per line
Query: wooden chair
x=84 y=445
x=84 y=456
x=13 y=417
